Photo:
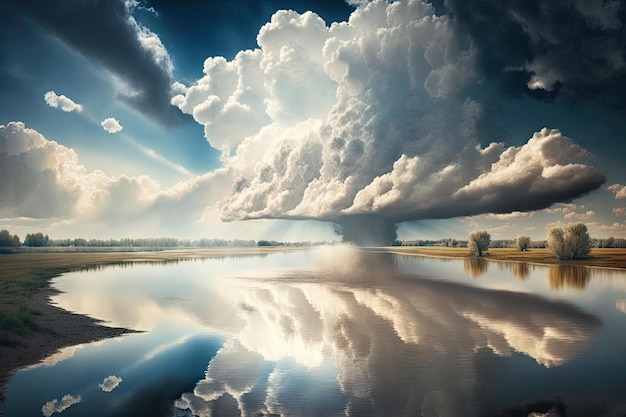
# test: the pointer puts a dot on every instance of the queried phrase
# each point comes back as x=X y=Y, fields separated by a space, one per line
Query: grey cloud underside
x=101 y=31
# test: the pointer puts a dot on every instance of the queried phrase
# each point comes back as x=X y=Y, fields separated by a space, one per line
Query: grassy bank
x=599 y=258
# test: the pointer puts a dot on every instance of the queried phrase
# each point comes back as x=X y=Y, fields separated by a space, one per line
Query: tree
x=479 y=241
x=577 y=240
x=7 y=240
x=522 y=242
x=572 y=243
x=36 y=239
x=556 y=242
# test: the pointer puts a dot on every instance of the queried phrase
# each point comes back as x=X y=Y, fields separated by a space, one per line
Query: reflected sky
x=338 y=332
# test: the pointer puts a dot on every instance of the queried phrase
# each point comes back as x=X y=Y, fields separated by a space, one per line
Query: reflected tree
x=521 y=270
x=475 y=267
x=568 y=277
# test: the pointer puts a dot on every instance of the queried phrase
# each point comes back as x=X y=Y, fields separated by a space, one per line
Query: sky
x=294 y=120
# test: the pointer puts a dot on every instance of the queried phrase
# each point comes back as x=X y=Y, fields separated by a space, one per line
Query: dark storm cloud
x=105 y=32
x=574 y=48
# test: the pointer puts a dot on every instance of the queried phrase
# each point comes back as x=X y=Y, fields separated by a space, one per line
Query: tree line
x=610 y=242
x=41 y=240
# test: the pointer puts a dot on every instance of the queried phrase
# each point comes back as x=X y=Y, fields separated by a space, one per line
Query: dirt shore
x=54 y=328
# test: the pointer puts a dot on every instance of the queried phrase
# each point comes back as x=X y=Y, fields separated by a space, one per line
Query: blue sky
x=270 y=119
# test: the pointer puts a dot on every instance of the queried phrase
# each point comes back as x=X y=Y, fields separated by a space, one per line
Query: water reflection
x=521 y=270
x=58 y=406
x=110 y=383
x=475 y=267
x=401 y=345
x=568 y=277
x=349 y=336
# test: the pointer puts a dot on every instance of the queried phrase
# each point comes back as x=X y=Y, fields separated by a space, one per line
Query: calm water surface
x=337 y=332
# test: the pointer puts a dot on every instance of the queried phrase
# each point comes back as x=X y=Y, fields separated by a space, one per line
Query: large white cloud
x=43 y=179
x=376 y=115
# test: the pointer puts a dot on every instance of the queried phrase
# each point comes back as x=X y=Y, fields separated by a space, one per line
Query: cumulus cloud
x=111 y=125
x=619 y=211
x=110 y=383
x=345 y=122
x=619 y=190
x=58 y=406
x=65 y=103
x=580 y=216
x=43 y=179
x=511 y=216
x=106 y=33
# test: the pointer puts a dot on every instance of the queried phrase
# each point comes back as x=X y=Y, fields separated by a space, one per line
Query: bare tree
x=479 y=241
x=572 y=243
x=522 y=242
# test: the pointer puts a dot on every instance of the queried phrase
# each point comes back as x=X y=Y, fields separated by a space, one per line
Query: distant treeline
x=41 y=240
x=609 y=242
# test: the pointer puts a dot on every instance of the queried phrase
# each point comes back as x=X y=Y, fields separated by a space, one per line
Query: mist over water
x=367 y=230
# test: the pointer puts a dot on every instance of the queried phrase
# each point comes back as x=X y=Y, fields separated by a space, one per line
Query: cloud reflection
x=351 y=335
x=110 y=383
x=568 y=277
x=58 y=406
x=401 y=344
